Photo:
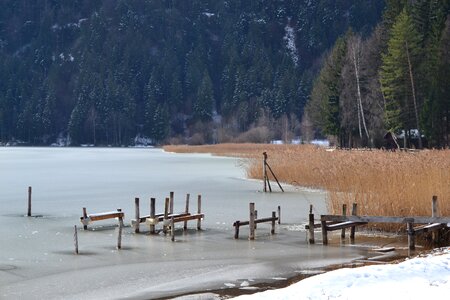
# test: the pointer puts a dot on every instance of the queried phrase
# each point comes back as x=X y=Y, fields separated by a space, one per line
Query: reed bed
x=382 y=183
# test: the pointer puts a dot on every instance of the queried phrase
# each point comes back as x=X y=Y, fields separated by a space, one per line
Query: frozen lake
x=36 y=254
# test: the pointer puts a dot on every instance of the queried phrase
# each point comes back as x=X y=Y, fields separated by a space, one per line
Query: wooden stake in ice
x=75 y=239
x=29 y=202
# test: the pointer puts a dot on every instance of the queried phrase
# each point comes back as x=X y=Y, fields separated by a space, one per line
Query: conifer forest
x=124 y=72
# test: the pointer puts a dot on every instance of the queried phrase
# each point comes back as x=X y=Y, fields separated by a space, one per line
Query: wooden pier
x=254 y=220
x=87 y=219
x=168 y=218
x=335 y=222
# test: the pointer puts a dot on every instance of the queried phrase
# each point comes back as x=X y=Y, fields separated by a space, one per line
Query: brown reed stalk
x=382 y=183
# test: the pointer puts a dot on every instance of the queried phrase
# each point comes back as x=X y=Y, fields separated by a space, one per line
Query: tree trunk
x=414 y=95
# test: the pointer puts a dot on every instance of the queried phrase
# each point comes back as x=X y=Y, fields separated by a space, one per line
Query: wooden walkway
x=426 y=224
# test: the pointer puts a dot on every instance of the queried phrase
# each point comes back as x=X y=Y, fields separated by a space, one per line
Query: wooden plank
x=382 y=219
x=188 y=218
x=262 y=220
x=429 y=227
x=344 y=225
x=104 y=216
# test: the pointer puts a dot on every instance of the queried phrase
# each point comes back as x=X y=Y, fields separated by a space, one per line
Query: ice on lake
x=37 y=257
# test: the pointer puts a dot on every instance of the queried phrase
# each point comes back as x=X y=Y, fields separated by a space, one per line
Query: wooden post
x=324 y=232
x=256 y=218
x=279 y=215
x=29 y=202
x=236 y=229
x=344 y=213
x=435 y=213
x=119 y=238
x=354 y=213
x=276 y=179
x=152 y=213
x=274 y=215
x=265 y=172
x=311 y=225
x=172 y=229
x=75 y=239
x=252 y=222
x=411 y=236
x=186 y=210
x=166 y=214
x=199 y=211
x=84 y=217
x=171 y=202
x=136 y=215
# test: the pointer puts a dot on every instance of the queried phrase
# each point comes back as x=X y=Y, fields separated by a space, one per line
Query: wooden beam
x=186 y=210
x=136 y=214
x=382 y=219
x=252 y=221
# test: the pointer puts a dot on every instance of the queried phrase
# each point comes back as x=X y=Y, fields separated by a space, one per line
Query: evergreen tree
x=204 y=102
x=401 y=58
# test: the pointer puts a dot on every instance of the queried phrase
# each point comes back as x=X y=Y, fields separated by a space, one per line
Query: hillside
x=201 y=71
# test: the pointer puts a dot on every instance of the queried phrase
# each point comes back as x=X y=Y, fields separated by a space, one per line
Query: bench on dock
x=87 y=219
x=254 y=220
x=168 y=218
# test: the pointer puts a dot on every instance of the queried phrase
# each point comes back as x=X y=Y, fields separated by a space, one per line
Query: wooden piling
x=152 y=213
x=186 y=210
x=311 y=225
x=344 y=213
x=354 y=213
x=172 y=229
x=29 y=202
x=236 y=229
x=279 y=215
x=136 y=214
x=75 y=239
x=411 y=236
x=119 y=238
x=166 y=214
x=171 y=202
x=324 y=232
x=252 y=222
x=435 y=213
x=199 y=211
x=274 y=215
x=256 y=218
x=265 y=171
x=84 y=217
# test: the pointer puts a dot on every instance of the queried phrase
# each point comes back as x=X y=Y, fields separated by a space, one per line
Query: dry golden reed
x=382 y=183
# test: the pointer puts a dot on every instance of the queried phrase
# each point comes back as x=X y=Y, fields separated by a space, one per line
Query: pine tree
x=204 y=102
x=396 y=78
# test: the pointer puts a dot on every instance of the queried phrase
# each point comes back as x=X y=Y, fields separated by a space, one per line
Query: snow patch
x=426 y=277
x=289 y=38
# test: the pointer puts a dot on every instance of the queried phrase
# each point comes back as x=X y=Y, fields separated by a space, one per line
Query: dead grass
x=382 y=183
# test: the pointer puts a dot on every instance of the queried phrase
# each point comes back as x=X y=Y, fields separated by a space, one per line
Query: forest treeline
x=396 y=81
x=104 y=72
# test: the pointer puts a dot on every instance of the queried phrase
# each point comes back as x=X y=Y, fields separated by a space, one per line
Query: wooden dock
x=425 y=224
x=254 y=220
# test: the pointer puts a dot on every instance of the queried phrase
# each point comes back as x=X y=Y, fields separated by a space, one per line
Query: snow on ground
x=425 y=277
